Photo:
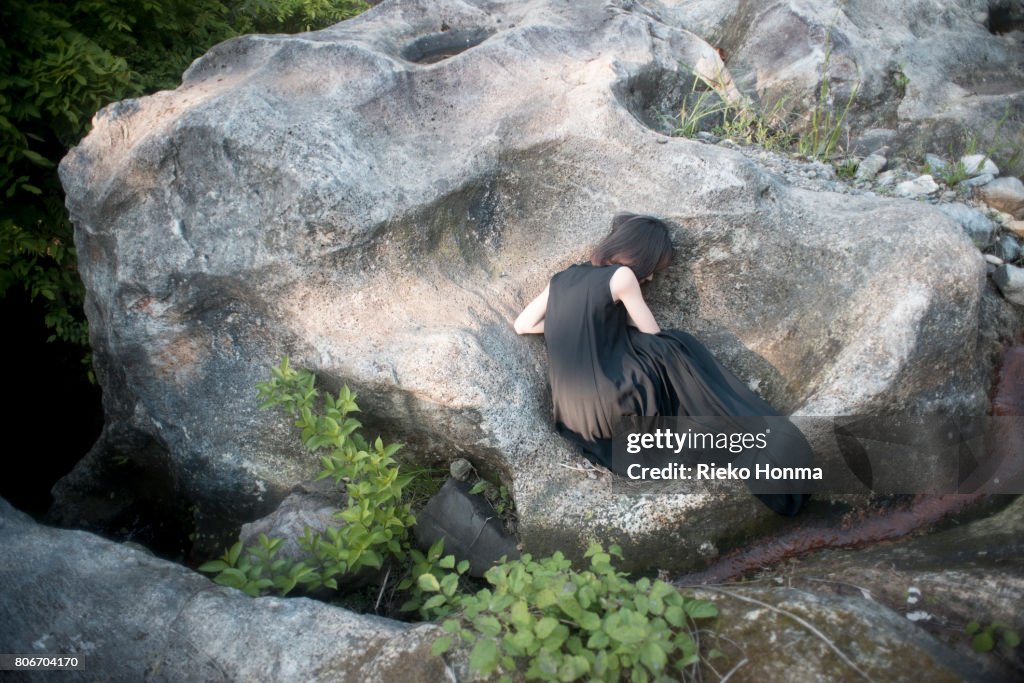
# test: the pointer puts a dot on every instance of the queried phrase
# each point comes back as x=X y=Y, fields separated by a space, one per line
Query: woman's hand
x=626 y=288
x=531 y=320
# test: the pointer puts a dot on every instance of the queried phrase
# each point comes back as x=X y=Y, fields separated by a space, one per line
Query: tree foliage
x=62 y=61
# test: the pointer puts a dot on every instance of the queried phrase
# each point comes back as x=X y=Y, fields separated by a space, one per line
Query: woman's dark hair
x=640 y=242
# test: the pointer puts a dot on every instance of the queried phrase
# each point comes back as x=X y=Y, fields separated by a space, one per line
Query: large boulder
x=380 y=199
x=133 y=617
x=924 y=72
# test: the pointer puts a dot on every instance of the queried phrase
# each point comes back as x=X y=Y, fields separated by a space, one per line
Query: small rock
x=979 y=180
x=707 y=137
x=1010 y=281
x=1004 y=194
x=993 y=259
x=870 y=167
x=291 y=518
x=979 y=164
x=918 y=187
x=461 y=469
x=973 y=222
x=728 y=143
x=948 y=196
x=1016 y=227
x=1008 y=248
x=936 y=163
x=886 y=179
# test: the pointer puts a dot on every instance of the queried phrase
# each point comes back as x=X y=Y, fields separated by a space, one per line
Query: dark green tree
x=62 y=61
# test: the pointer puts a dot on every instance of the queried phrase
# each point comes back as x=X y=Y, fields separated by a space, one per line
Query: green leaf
x=488 y=625
x=701 y=609
x=484 y=657
x=234 y=552
x=626 y=626
x=428 y=582
x=441 y=645
x=982 y=642
x=653 y=657
x=1011 y=638
x=213 y=566
x=675 y=616
x=434 y=601
x=545 y=626
x=447 y=562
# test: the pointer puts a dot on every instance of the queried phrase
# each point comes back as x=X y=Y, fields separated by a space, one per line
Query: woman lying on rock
x=609 y=359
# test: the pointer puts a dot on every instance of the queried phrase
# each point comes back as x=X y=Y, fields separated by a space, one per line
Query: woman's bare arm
x=531 y=320
x=626 y=288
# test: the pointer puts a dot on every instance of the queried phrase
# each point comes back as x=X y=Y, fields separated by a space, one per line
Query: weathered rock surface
x=134 y=617
x=1010 y=281
x=854 y=640
x=940 y=581
x=979 y=164
x=975 y=224
x=925 y=70
x=379 y=200
x=1004 y=194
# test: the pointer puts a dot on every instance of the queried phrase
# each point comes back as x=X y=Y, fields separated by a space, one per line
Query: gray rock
x=1008 y=248
x=875 y=640
x=461 y=469
x=1004 y=194
x=929 y=71
x=977 y=226
x=873 y=141
x=918 y=187
x=886 y=178
x=993 y=259
x=978 y=180
x=941 y=581
x=299 y=511
x=1010 y=281
x=979 y=164
x=382 y=221
x=135 y=617
x=870 y=167
x=936 y=164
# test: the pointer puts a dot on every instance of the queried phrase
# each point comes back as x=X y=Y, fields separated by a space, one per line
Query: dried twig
x=803 y=622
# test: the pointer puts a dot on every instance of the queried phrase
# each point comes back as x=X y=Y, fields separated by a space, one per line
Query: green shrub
x=996 y=635
x=377 y=520
x=559 y=624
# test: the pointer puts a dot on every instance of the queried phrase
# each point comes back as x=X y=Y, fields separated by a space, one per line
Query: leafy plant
x=564 y=625
x=847 y=169
x=497 y=495
x=900 y=80
x=742 y=121
x=433 y=583
x=376 y=518
x=953 y=174
x=987 y=638
x=820 y=137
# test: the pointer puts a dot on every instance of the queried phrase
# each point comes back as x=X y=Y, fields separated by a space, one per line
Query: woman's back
x=588 y=353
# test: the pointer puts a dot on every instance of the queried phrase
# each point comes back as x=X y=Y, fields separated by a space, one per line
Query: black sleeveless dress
x=601 y=369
